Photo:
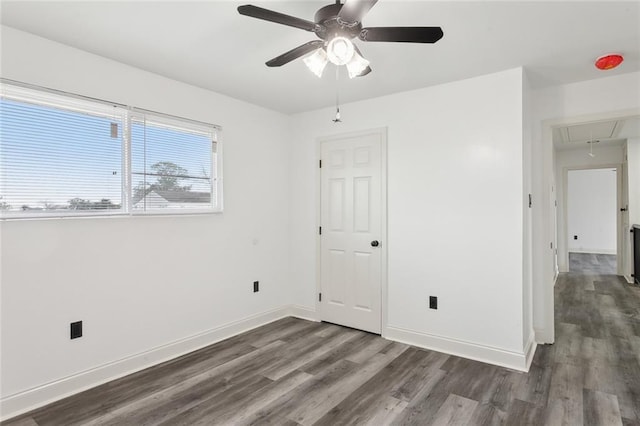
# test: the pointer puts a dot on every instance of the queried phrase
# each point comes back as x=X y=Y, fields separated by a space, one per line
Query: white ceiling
x=208 y=44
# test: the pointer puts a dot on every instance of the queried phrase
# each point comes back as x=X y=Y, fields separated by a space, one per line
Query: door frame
x=382 y=132
x=544 y=302
x=565 y=205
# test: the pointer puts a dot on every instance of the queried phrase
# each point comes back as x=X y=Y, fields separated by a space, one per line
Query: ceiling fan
x=337 y=25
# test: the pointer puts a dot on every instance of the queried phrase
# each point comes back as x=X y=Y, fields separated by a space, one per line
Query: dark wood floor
x=591 y=263
x=298 y=372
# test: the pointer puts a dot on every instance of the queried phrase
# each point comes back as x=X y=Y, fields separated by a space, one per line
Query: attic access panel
x=589 y=131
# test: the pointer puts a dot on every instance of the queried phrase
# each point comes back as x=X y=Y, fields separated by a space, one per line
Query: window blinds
x=62 y=155
x=59 y=155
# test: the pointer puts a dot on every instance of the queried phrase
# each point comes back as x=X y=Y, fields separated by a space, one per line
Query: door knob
x=375 y=243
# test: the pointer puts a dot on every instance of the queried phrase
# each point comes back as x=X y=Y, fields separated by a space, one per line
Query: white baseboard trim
x=629 y=279
x=530 y=349
x=304 y=312
x=22 y=402
x=483 y=353
x=594 y=251
x=542 y=337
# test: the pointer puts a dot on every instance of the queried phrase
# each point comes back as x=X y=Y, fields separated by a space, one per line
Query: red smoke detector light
x=608 y=62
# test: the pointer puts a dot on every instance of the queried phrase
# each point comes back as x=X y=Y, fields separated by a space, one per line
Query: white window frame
x=26 y=93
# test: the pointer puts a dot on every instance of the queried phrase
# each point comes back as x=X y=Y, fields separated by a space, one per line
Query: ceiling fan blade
x=402 y=34
x=299 y=51
x=354 y=10
x=277 y=17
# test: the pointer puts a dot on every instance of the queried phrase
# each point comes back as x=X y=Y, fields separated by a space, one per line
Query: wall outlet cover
x=433 y=302
x=76 y=329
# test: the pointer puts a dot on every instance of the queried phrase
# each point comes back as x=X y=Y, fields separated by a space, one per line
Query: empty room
x=352 y=212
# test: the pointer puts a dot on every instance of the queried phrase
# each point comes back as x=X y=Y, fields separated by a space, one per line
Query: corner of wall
x=510 y=359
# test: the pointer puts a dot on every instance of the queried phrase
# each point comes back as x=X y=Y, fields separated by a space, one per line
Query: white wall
x=139 y=283
x=578 y=159
x=633 y=161
x=455 y=209
x=585 y=99
x=592 y=211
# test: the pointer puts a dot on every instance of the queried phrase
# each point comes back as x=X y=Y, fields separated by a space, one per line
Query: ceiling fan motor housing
x=330 y=25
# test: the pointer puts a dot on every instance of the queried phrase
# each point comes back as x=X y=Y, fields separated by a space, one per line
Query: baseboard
x=629 y=279
x=304 y=312
x=542 y=336
x=483 y=353
x=594 y=251
x=22 y=402
x=530 y=349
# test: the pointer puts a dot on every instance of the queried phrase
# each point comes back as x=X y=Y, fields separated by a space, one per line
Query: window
x=164 y=178
x=61 y=155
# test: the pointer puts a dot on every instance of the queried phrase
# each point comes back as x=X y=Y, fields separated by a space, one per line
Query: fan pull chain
x=337 y=118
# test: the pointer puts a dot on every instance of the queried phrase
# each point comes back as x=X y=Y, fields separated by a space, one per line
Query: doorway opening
x=591 y=212
x=566 y=145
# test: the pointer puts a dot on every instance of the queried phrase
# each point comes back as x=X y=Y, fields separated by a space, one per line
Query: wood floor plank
x=487 y=414
x=565 y=394
x=456 y=410
x=318 y=403
x=385 y=413
x=364 y=402
x=525 y=414
x=268 y=395
x=422 y=409
x=359 y=344
x=316 y=388
x=296 y=359
x=24 y=421
x=601 y=409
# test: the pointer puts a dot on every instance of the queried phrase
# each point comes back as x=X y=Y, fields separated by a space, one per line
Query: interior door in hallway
x=351 y=216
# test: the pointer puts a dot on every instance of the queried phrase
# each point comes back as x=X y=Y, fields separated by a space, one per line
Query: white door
x=351 y=231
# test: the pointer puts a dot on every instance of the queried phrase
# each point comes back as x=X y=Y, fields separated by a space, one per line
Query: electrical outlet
x=575 y=237
x=433 y=302
x=76 y=329
x=256 y=286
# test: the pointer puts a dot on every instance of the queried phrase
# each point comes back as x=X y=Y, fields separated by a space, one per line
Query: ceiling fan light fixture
x=316 y=62
x=357 y=65
x=340 y=50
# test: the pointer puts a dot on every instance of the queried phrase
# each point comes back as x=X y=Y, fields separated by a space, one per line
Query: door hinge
x=319 y=230
x=320 y=163
x=319 y=297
